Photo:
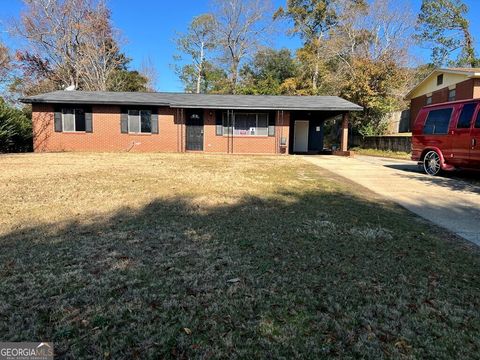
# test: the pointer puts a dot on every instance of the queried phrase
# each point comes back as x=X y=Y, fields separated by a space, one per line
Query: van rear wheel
x=431 y=163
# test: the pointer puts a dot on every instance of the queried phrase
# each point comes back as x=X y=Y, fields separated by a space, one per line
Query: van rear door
x=475 y=144
x=460 y=133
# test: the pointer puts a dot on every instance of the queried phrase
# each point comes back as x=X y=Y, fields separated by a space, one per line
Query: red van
x=447 y=136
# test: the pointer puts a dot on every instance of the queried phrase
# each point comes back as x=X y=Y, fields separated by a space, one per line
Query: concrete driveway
x=450 y=202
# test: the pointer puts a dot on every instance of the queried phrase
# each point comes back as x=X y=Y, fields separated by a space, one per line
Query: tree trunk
x=317 y=64
x=470 y=51
x=200 y=67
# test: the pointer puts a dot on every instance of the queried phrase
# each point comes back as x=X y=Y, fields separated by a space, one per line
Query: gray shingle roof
x=206 y=101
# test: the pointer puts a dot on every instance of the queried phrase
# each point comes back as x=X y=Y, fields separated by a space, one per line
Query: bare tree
x=71 y=42
x=5 y=62
x=241 y=27
x=149 y=71
x=199 y=39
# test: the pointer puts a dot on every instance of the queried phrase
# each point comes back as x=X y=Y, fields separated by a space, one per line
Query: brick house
x=444 y=85
x=174 y=122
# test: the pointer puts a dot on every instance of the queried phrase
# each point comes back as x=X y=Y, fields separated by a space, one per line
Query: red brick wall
x=106 y=135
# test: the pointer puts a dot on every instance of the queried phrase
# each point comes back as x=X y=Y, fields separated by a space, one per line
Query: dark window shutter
x=57 y=117
x=271 y=125
x=219 y=125
x=88 y=120
x=124 y=121
x=154 y=121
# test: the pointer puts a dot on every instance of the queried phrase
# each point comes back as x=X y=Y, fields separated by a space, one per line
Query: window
x=466 y=116
x=440 y=79
x=139 y=121
x=429 y=100
x=248 y=124
x=437 y=121
x=452 y=94
x=73 y=120
x=477 y=122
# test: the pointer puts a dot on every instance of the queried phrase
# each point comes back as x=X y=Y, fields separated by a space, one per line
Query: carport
x=308 y=131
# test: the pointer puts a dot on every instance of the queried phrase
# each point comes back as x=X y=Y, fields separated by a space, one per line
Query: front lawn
x=128 y=256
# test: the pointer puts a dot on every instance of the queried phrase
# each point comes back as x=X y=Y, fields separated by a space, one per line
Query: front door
x=300 y=140
x=194 y=125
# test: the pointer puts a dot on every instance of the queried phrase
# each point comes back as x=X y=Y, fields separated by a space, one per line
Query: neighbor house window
x=139 y=121
x=466 y=116
x=437 y=121
x=73 y=120
x=452 y=94
x=440 y=79
x=247 y=124
x=429 y=100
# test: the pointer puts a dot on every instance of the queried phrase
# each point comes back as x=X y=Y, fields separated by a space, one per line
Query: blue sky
x=149 y=27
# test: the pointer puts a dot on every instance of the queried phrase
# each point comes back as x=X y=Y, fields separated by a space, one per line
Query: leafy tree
x=15 y=129
x=372 y=85
x=313 y=20
x=125 y=80
x=267 y=72
x=196 y=43
x=444 y=25
x=214 y=79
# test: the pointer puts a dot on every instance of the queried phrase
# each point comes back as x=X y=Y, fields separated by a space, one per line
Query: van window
x=477 y=123
x=437 y=121
x=466 y=116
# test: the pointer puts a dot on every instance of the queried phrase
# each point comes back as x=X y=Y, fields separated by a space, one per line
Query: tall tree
x=241 y=27
x=369 y=57
x=443 y=24
x=268 y=72
x=196 y=43
x=313 y=20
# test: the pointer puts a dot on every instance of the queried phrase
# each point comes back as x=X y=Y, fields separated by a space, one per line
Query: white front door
x=300 y=140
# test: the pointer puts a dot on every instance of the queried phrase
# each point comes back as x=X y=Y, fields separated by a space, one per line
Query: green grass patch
x=383 y=153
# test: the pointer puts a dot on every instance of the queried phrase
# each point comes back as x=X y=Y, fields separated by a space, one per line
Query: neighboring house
x=444 y=85
x=169 y=122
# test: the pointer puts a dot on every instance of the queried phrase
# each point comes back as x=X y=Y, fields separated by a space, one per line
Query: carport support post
x=344 y=134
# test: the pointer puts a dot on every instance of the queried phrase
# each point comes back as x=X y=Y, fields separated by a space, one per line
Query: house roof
x=468 y=72
x=206 y=101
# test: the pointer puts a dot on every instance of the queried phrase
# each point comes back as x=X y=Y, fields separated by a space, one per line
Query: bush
x=15 y=129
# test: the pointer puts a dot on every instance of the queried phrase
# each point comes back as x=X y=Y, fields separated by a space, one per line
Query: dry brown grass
x=134 y=256
x=54 y=188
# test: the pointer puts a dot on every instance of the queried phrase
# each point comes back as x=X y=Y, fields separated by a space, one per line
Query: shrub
x=15 y=129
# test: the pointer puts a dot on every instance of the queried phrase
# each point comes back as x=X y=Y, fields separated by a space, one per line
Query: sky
x=149 y=26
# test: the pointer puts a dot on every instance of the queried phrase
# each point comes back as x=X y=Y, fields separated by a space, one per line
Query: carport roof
x=205 y=101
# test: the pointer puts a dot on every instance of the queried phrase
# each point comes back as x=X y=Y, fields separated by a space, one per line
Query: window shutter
x=218 y=125
x=88 y=120
x=271 y=125
x=124 y=121
x=154 y=121
x=57 y=117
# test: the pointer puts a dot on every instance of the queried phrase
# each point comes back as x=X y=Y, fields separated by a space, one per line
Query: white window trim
x=244 y=113
x=139 y=121
x=74 y=120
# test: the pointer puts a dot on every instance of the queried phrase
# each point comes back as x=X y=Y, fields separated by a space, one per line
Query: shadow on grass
x=298 y=275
